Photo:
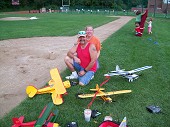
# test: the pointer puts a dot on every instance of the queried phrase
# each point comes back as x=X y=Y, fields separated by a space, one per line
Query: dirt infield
x=28 y=61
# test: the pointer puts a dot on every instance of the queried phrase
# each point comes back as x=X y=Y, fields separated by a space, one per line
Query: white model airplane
x=127 y=74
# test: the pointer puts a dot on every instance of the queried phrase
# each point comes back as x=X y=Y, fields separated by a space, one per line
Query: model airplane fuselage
x=127 y=74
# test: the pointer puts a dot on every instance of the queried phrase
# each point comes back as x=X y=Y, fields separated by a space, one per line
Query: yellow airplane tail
x=31 y=91
x=97 y=88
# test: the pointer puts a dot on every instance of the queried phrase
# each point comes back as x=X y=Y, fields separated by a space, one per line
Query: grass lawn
x=127 y=51
x=48 y=24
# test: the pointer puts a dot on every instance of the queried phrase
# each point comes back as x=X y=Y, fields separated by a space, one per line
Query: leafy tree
x=109 y=4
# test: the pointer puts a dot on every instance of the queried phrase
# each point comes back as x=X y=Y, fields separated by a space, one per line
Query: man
x=82 y=58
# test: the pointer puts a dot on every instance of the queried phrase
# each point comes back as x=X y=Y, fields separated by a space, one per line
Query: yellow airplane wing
x=57 y=98
x=118 y=92
x=105 y=93
x=58 y=84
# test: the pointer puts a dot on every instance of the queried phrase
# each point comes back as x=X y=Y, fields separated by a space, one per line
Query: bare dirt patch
x=28 y=61
x=17 y=18
x=14 y=18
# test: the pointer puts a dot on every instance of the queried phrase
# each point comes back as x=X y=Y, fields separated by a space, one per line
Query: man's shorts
x=85 y=79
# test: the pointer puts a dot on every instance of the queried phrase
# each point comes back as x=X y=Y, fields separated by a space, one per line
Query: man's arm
x=93 y=55
x=71 y=53
x=98 y=47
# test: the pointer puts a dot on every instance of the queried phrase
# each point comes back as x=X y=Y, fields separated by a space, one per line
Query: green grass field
x=48 y=24
x=123 y=49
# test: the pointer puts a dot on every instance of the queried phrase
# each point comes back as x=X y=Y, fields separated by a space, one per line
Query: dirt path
x=28 y=61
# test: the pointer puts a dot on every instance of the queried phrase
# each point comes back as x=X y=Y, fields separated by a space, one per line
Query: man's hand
x=81 y=73
x=77 y=60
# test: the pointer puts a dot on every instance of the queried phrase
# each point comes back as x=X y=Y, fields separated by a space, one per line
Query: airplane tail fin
x=117 y=68
x=17 y=121
x=97 y=88
x=123 y=123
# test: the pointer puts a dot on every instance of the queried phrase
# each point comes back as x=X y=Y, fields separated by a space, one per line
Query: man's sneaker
x=72 y=76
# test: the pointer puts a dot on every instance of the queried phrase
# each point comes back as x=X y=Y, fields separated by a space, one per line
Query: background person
x=141 y=18
x=93 y=39
x=149 y=26
x=137 y=30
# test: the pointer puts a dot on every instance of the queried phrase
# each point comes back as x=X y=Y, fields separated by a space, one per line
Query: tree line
x=56 y=4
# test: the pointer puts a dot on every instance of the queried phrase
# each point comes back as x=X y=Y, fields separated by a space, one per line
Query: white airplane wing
x=111 y=74
x=139 y=69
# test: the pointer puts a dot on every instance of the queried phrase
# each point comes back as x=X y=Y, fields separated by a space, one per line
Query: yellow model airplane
x=56 y=87
x=103 y=95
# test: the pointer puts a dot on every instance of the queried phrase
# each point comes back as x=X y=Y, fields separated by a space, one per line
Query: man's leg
x=85 y=79
x=69 y=62
x=70 y=65
x=77 y=66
